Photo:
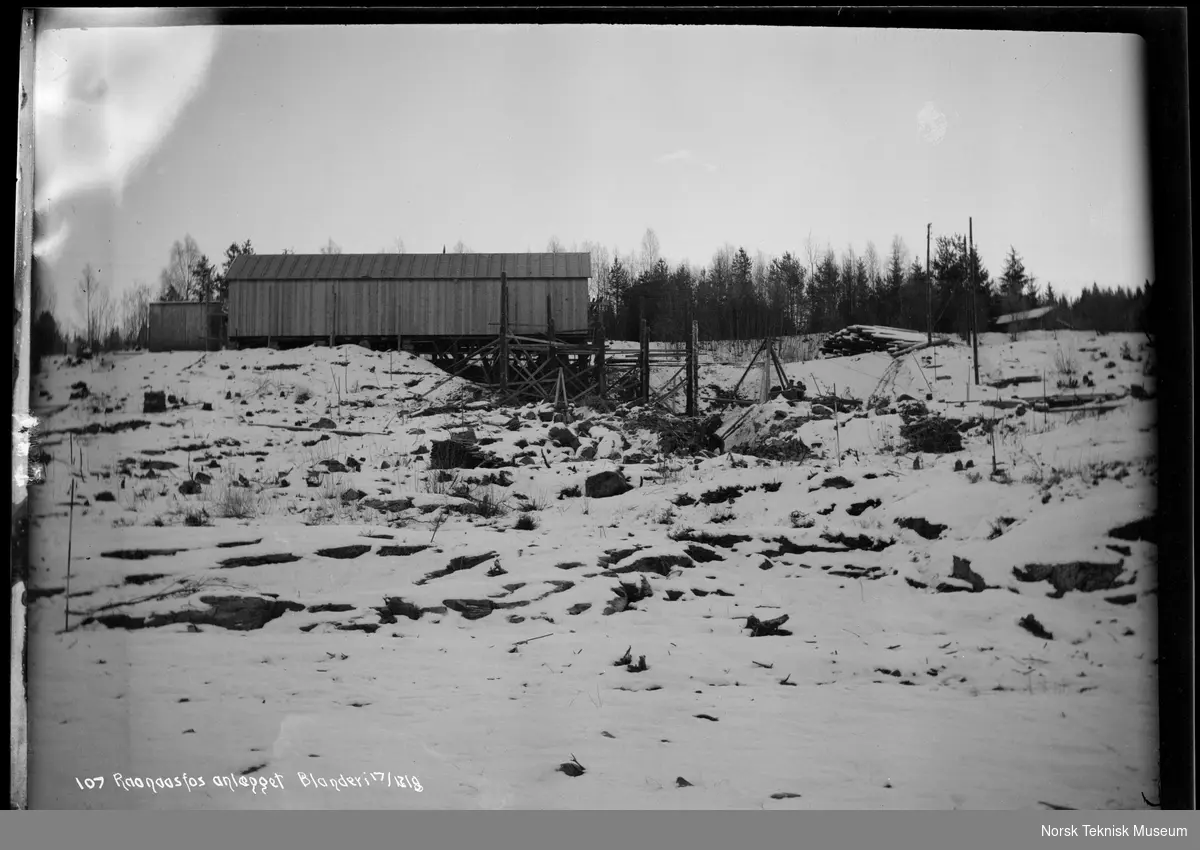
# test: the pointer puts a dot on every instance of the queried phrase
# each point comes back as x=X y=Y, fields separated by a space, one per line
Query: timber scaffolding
x=528 y=368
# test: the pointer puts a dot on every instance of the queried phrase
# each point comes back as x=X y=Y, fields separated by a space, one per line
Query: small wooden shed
x=186 y=326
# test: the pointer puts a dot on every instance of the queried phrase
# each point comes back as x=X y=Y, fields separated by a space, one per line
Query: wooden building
x=185 y=326
x=416 y=301
x=1039 y=318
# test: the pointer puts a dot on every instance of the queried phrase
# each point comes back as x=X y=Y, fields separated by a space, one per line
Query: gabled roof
x=408 y=266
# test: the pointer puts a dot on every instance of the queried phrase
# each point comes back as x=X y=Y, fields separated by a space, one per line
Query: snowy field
x=253 y=602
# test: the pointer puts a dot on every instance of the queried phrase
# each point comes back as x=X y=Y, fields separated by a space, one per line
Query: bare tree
x=554 y=246
x=398 y=245
x=650 y=251
x=871 y=258
x=810 y=251
x=177 y=282
x=460 y=248
x=87 y=284
x=331 y=247
x=104 y=312
x=601 y=263
x=135 y=312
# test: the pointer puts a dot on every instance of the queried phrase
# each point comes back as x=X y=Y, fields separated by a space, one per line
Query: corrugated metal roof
x=408 y=266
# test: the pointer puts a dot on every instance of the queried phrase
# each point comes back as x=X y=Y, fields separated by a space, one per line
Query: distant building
x=1039 y=318
x=185 y=326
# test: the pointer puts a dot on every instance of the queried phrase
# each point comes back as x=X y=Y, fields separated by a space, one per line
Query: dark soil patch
x=1123 y=599
x=851 y=571
x=345 y=552
x=235 y=543
x=962 y=571
x=722 y=495
x=683 y=500
x=613 y=555
x=787 y=547
x=389 y=506
x=158 y=465
x=912 y=582
x=569 y=565
x=928 y=530
x=702 y=554
x=579 y=607
x=369 y=628
x=1000 y=526
x=627 y=595
x=1078 y=575
x=139 y=554
x=932 y=435
x=237 y=613
x=402 y=550
x=472 y=609
x=335 y=607
x=144 y=578
x=451 y=454
x=860 y=542
x=1142 y=529
x=660 y=564
x=859 y=507
x=274 y=366
x=32 y=594
x=257 y=560
x=837 y=482
x=97 y=428
x=394 y=606
x=1030 y=624
x=462 y=562
x=724 y=541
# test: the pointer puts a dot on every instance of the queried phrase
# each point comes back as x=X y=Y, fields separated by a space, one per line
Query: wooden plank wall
x=178 y=327
x=373 y=308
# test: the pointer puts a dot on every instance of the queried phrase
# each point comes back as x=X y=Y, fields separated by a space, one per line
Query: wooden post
x=837 y=428
x=645 y=362
x=764 y=388
x=601 y=381
x=504 y=332
x=550 y=358
x=971 y=280
x=70 y=537
x=696 y=363
x=928 y=288
x=690 y=349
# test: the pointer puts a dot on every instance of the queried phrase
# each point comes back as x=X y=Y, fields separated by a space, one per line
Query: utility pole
x=971 y=283
x=928 y=288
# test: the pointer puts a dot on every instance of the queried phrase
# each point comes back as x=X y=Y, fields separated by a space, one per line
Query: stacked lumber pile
x=865 y=339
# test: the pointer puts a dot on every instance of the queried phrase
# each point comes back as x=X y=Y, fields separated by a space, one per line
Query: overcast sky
x=503 y=136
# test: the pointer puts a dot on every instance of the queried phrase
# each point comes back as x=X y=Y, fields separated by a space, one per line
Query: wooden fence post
x=504 y=332
x=601 y=380
x=689 y=368
x=645 y=362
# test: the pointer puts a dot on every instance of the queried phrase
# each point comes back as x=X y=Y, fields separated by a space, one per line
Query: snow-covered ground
x=891 y=690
